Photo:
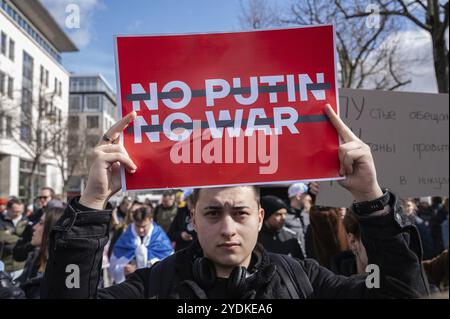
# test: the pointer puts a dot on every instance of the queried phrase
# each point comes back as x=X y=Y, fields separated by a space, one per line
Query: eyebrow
x=221 y=207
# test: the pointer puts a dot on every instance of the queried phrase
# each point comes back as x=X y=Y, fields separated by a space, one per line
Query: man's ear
x=260 y=218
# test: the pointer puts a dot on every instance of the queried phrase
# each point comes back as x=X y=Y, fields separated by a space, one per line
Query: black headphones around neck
x=204 y=274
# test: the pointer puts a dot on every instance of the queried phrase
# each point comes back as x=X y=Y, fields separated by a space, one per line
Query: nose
x=228 y=228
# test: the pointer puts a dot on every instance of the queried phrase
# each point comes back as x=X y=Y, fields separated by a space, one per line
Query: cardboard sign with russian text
x=408 y=136
x=228 y=108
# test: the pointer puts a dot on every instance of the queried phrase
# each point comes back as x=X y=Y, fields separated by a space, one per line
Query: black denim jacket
x=77 y=241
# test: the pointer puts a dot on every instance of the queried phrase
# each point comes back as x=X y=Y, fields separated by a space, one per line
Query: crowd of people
x=142 y=233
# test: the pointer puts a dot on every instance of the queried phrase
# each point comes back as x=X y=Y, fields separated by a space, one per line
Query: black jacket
x=30 y=279
x=283 y=241
x=79 y=236
x=182 y=222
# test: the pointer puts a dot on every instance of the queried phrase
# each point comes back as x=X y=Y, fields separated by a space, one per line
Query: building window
x=10 y=87
x=73 y=141
x=27 y=66
x=55 y=83
x=59 y=117
x=92 y=121
x=92 y=140
x=59 y=88
x=46 y=78
x=11 y=49
x=9 y=126
x=74 y=122
x=2 y=82
x=74 y=103
x=93 y=102
x=25 y=176
x=41 y=75
x=3 y=43
x=27 y=98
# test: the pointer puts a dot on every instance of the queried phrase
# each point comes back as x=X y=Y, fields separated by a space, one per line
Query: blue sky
x=100 y=20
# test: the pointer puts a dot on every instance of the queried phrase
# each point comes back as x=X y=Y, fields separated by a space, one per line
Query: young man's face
x=168 y=200
x=44 y=197
x=16 y=210
x=142 y=228
x=276 y=220
x=227 y=222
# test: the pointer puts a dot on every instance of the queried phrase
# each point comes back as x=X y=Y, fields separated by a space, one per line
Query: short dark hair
x=196 y=194
x=125 y=200
x=142 y=213
x=13 y=201
x=52 y=191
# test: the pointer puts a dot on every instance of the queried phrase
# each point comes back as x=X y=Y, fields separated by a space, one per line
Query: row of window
x=6 y=85
x=92 y=122
x=91 y=102
x=25 y=176
x=4 y=46
x=27 y=97
x=44 y=80
x=90 y=141
x=90 y=83
x=6 y=126
x=29 y=29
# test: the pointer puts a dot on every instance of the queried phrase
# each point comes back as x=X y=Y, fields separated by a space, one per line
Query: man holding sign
x=189 y=96
x=226 y=262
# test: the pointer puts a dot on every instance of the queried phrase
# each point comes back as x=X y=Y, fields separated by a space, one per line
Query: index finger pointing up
x=118 y=127
x=344 y=132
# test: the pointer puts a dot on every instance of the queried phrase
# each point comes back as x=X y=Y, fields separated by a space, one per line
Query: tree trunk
x=440 y=63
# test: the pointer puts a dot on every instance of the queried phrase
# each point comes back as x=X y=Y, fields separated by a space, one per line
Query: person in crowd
x=182 y=230
x=328 y=234
x=166 y=211
x=424 y=208
x=437 y=271
x=226 y=261
x=12 y=225
x=31 y=277
x=180 y=199
x=3 y=202
x=120 y=213
x=23 y=246
x=46 y=194
x=8 y=287
x=444 y=225
x=438 y=230
x=120 y=219
x=410 y=209
x=352 y=261
x=297 y=218
x=274 y=236
x=142 y=244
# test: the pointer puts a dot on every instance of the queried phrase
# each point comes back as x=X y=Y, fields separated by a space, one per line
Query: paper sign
x=408 y=134
x=228 y=108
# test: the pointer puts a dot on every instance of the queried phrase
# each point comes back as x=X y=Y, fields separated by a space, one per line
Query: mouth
x=229 y=244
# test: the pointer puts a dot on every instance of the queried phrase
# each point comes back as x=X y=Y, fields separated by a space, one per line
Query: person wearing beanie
x=274 y=236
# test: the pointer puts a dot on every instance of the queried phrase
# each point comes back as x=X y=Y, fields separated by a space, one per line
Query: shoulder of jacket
x=289 y=231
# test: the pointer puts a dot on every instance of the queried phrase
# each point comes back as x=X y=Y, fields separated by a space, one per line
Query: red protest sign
x=228 y=108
